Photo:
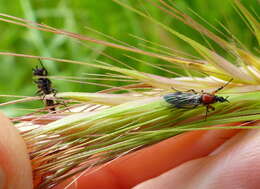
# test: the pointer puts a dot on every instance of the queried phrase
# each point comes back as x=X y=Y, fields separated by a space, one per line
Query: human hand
x=205 y=159
x=200 y=159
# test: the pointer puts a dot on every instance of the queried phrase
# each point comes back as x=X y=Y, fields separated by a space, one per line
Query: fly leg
x=211 y=107
x=175 y=89
x=187 y=108
x=54 y=91
x=192 y=90
x=39 y=92
x=61 y=102
x=207 y=110
x=43 y=96
x=195 y=106
x=208 y=107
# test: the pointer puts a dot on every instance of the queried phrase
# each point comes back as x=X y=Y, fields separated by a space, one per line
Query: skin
x=15 y=168
x=205 y=159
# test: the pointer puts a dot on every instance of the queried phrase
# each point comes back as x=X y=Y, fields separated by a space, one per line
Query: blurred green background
x=109 y=18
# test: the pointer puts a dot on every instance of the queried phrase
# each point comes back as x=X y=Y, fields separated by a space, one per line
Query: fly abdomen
x=51 y=104
x=183 y=99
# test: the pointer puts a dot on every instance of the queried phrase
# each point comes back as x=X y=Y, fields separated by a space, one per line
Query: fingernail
x=2 y=178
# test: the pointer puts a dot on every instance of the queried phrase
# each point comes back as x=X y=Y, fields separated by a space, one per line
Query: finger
x=152 y=161
x=15 y=168
x=235 y=165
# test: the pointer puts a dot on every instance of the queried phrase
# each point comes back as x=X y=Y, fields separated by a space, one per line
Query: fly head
x=221 y=99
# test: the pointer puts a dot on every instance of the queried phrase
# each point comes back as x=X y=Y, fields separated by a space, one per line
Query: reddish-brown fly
x=191 y=99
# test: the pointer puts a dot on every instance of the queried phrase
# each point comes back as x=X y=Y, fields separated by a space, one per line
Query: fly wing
x=183 y=100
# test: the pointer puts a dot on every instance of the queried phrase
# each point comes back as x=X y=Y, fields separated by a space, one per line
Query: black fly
x=191 y=99
x=44 y=85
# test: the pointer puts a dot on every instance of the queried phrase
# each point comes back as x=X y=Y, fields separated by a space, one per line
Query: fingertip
x=15 y=167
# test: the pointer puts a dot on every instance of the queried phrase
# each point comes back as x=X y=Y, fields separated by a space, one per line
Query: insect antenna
x=43 y=67
x=223 y=86
x=41 y=63
x=227 y=99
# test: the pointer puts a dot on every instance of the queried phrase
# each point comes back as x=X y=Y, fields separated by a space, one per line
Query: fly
x=44 y=85
x=191 y=99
